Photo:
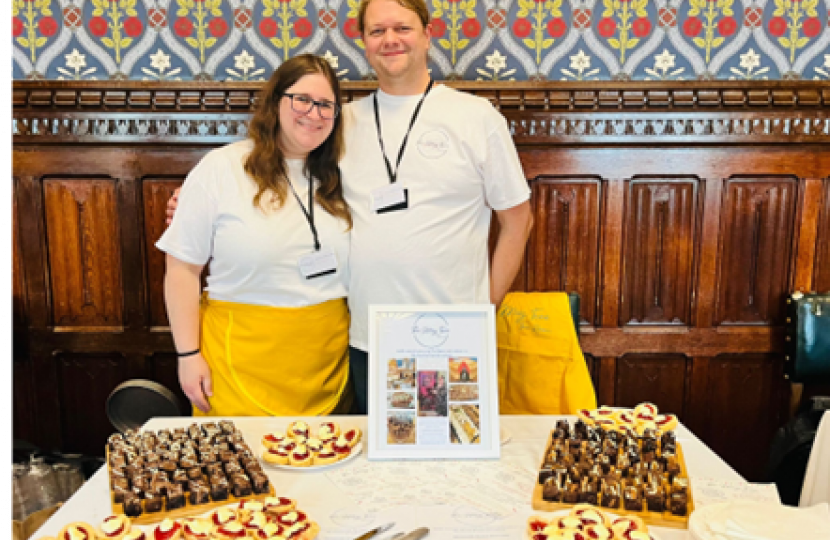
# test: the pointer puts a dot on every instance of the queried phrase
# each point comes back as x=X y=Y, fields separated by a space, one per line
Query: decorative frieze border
x=54 y=112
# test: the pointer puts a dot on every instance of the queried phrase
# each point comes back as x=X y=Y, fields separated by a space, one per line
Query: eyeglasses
x=303 y=103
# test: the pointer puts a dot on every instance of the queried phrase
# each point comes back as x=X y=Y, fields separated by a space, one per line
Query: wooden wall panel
x=822 y=268
x=156 y=193
x=739 y=387
x=756 y=245
x=563 y=249
x=84 y=256
x=659 y=248
x=609 y=166
x=658 y=379
x=18 y=284
x=84 y=382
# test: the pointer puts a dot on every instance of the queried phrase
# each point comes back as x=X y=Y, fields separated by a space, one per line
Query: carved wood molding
x=715 y=112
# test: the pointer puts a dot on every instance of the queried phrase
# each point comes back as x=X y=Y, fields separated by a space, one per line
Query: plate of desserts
x=302 y=447
x=587 y=522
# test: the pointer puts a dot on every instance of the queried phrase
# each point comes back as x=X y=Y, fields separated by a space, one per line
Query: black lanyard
x=309 y=214
x=394 y=175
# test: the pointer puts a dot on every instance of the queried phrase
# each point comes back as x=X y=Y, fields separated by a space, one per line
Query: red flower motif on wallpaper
x=350 y=29
x=98 y=26
x=692 y=26
x=17 y=26
x=303 y=28
x=557 y=27
x=522 y=28
x=641 y=27
x=607 y=27
x=437 y=28
x=458 y=25
x=133 y=26
x=218 y=27
x=727 y=26
x=268 y=28
x=471 y=28
x=812 y=27
x=47 y=26
x=183 y=27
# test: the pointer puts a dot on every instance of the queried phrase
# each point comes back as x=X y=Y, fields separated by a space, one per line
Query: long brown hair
x=266 y=162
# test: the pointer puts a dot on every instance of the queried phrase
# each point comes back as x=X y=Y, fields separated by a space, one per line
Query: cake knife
x=417 y=534
x=375 y=531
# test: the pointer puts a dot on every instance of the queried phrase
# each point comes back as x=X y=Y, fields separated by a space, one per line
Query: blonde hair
x=418 y=6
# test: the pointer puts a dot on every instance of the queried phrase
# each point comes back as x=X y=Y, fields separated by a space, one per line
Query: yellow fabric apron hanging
x=276 y=361
x=541 y=367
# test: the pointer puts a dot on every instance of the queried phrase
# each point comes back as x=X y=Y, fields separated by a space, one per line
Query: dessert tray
x=358 y=448
x=173 y=474
x=301 y=447
x=274 y=517
x=622 y=469
x=586 y=522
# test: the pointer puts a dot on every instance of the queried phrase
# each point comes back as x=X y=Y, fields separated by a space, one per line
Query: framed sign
x=433 y=382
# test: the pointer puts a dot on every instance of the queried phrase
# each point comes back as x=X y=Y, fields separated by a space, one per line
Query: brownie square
x=259 y=482
x=175 y=497
x=132 y=505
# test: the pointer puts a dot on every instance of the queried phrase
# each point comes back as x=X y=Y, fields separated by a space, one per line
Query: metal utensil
x=375 y=531
x=417 y=534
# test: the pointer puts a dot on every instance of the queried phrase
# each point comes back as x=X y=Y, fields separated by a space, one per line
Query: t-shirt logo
x=433 y=144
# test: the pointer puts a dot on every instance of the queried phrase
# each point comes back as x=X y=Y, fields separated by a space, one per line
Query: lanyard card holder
x=319 y=263
x=390 y=199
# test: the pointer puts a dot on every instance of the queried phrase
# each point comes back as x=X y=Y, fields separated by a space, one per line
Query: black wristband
x=189 y=353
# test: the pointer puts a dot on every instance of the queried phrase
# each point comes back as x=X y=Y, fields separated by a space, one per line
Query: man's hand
x=194 y=376
x=172 y=204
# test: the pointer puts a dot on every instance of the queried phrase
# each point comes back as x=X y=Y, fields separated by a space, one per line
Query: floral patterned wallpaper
x=243 y=40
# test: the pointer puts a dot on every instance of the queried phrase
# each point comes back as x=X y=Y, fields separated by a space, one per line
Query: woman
x=273 y=334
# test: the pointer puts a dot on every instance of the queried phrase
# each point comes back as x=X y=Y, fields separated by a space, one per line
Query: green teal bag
x=808 y=338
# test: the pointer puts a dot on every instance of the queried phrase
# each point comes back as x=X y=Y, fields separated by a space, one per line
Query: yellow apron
x=541 y=367
x=276 y=361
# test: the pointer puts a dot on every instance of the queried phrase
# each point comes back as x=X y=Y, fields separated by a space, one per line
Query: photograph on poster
x=401 y=400
x=463 y=392
x=400 y=428
x=401 y=374
x=464 y=424
x=463 y=369
x=432 y=393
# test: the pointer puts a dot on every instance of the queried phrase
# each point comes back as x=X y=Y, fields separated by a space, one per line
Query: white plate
x=358 y=448
x=612 y=515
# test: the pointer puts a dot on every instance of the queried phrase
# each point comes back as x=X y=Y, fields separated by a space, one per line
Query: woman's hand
x=194 y=376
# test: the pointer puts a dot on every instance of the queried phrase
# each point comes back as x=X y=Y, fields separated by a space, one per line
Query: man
x=423 y=170
x=457 y=164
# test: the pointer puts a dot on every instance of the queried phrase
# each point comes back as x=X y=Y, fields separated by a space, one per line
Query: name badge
x=389 y=199
x=318 y=263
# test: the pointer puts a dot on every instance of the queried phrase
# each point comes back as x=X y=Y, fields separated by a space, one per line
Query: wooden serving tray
x=658 y=519
x=188 y=509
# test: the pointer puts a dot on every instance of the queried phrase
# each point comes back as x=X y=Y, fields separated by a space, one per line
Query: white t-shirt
x=459 y=163
x=253 y=254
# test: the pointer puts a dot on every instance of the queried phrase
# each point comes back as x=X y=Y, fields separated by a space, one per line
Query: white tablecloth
x=816 y=488
x=458 y=500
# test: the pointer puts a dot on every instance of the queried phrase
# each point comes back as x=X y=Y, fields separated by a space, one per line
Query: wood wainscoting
x=682 y=213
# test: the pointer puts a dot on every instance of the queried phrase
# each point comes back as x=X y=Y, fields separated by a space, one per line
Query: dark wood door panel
x=84 y=257
x=655 y=378
x=659 y=252
x=756 y=246
x=563 y=249
x=822 y=268
x=743 y=409
x=84 y=383
x=18 y=285
x=156 y=192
